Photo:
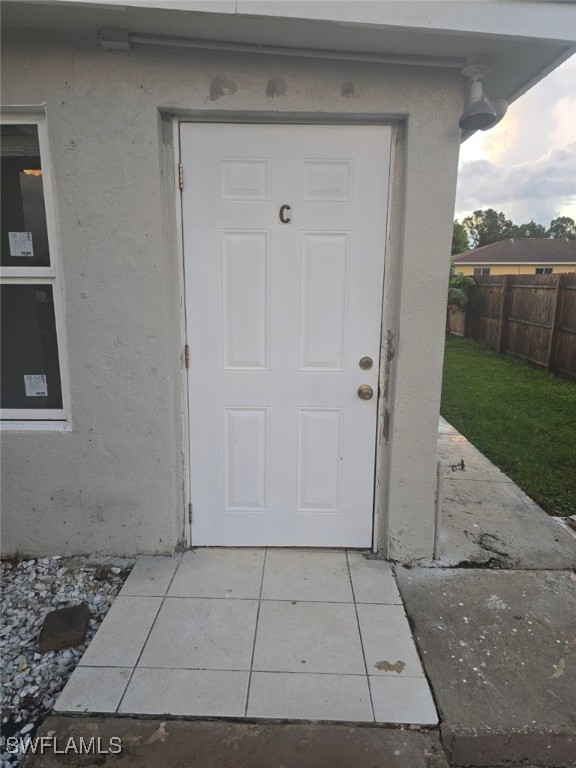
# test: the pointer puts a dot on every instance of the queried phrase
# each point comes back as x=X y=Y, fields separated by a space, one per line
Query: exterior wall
x=115 y=483
x=515 y=269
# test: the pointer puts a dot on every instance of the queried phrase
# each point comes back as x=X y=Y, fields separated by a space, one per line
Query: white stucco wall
x=114 y=483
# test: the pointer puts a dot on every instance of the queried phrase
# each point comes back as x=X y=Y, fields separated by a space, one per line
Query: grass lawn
x=522 y=418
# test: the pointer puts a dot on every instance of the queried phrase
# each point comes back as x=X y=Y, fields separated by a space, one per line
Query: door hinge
x=187 y=356
x=190 y=513
x=180 y=175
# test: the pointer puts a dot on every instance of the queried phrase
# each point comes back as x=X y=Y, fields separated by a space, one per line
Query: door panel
x=245 y=300
x=246 y=459
x=278 y=316
x=323 y=296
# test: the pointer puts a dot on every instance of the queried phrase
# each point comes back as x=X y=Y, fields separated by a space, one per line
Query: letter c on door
x=284 y=212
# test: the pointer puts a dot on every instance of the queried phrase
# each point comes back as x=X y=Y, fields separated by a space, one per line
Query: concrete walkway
x=499 y=649
x=487 y=520
x=497 y=635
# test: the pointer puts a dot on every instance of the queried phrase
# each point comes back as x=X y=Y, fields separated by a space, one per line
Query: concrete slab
x=499 y=649
x=455 y=447
x=444 y=428
x=495 y=523
x=487 y=520
x=200 y=744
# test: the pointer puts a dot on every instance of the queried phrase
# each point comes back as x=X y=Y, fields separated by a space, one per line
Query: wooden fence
x=529 y=316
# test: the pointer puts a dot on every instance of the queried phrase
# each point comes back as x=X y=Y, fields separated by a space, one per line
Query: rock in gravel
x=64 y=627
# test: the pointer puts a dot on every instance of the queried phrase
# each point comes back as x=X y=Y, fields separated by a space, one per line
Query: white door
x=284 y=237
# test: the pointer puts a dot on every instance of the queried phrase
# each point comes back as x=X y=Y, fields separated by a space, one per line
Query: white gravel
x=31 y=681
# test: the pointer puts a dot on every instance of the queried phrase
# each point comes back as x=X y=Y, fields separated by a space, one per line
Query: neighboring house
x=525 y=256
x=223 y=270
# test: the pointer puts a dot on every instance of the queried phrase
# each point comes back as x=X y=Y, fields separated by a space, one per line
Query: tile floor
x=256 y=633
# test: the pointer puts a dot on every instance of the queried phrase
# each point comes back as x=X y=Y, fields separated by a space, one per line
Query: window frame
x=481 y=271
x=544 y=271
x=34 y=418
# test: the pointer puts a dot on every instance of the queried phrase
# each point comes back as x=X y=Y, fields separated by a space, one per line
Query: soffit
x=517 y=62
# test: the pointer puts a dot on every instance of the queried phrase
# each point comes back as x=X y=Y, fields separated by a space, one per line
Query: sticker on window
x=21 y=244
x=36 y=385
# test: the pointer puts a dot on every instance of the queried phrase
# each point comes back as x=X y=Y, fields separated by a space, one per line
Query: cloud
x=526 y=166
x=564 y=114
x=542 y=119
x=538 y=190
x=500 y=142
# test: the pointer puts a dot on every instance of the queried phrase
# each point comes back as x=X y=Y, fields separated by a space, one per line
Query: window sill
x=35 y=426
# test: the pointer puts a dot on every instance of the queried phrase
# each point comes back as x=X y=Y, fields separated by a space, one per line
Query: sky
x=526 y=165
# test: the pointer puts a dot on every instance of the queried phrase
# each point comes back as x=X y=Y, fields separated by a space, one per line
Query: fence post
x=502 y=314
x=554 y=322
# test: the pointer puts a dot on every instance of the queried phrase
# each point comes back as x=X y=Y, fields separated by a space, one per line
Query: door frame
x=390 y=292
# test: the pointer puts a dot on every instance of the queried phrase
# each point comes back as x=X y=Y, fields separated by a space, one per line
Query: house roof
x=528 y=250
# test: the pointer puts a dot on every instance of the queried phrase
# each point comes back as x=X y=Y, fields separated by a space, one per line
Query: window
x=543 y=270
x=481 y=271
x=32 y=378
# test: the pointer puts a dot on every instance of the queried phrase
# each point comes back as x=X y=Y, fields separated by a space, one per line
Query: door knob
x=365 y=392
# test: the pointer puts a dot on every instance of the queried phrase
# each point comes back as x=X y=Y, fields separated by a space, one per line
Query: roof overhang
x=524 y=41
x=514 y=263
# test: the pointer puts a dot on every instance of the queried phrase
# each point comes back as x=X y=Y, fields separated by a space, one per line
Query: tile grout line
x=255 y=632
x=116 y=711
x=360 y=635
x=269 y=599
x=392 y=676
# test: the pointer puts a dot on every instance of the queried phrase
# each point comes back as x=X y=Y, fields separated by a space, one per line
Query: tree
x=457 y=284
x=563 y=226
x=529 y=230
x=489 y=226
x=459 y=238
